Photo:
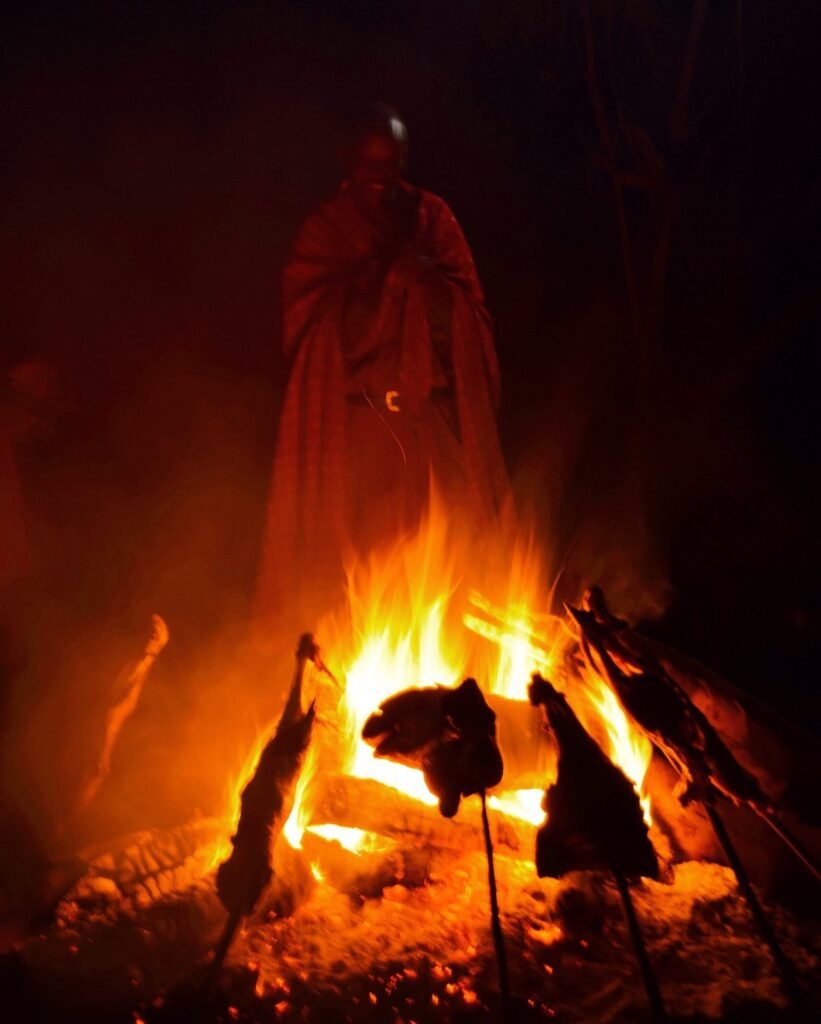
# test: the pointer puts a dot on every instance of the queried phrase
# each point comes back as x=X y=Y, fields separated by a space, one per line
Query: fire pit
x=377 y=909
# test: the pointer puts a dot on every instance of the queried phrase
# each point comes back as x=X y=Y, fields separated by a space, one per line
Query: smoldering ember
x=408 y=500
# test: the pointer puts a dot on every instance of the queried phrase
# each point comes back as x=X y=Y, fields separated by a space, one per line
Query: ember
x=378 y=904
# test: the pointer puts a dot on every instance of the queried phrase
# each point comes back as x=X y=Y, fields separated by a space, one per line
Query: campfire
x=337 y=884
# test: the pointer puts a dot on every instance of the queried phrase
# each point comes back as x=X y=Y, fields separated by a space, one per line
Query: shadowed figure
x=394 y=376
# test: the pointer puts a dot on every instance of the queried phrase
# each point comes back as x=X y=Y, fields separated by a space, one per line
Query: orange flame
x=430 y=610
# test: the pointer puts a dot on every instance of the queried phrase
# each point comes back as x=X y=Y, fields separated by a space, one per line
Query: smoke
x=152 y=193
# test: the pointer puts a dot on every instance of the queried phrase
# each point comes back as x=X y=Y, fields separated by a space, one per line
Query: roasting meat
x=450 y=734
x=594 y=818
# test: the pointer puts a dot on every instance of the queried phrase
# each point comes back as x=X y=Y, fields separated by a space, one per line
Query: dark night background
x=158 y=159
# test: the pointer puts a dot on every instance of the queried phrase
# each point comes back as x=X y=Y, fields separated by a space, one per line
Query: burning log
x=374 y=807
x=264 y=807
x=594 y=820
x=147 y=865
x=365 y=873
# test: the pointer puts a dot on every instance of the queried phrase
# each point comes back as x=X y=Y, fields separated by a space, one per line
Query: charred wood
x=366 y=874
x=147 y=865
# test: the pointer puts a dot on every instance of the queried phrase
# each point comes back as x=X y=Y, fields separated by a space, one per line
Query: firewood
x=375 y=807
x=131 y=869
x=364 y=875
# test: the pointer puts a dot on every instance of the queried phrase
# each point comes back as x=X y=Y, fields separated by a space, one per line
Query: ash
x=412 y=955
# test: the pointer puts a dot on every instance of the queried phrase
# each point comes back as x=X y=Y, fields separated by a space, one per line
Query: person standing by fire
x=394 y=380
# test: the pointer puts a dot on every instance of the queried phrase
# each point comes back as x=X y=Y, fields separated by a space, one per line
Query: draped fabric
x=347 y=304
x=15 y=554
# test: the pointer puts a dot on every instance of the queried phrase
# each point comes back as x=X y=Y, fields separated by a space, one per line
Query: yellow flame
x=431 y=609
x=629 y=748
x=394 y=634
x=299 y=817
x=525 y=804
x=356 y=840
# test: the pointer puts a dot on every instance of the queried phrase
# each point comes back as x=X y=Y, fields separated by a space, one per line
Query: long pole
x=495 y=919
x=214 y=968
x=785 y=968
x=648 y=976
x=790 y=840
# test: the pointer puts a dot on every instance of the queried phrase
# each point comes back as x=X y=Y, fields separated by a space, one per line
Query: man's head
x=375 y=155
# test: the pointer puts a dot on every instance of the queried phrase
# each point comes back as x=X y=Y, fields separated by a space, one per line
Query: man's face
x=375 y=168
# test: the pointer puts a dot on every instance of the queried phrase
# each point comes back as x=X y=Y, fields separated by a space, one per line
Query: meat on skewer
x=672 y=722
x=594 y=821
x=450 y=734
x=242 y=878
x=594 y=817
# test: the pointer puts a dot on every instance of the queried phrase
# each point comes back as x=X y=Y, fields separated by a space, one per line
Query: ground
x=421 y=954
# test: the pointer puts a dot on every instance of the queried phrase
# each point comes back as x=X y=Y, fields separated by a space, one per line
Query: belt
x=386 y=400
x=389 y=400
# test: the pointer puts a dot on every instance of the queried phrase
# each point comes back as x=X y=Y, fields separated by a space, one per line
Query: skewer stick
x=220 y=953
x=242 y=897
x=648 y=976
x=785 y=968
x=797 y=847
x=495 y=920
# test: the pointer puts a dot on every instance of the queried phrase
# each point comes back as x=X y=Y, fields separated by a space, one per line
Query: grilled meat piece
x=266 y=800
x=450 y=734
x=594 y=818
x=664 y=712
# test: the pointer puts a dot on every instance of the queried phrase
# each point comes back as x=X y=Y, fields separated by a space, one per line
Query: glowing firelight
x=432 y=609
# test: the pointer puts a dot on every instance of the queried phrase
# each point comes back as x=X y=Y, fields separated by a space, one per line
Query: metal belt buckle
x=392 y=401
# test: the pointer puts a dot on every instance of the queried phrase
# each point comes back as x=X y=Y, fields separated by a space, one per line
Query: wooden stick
x=648 y=976
x=786 y=836
x=220 y=952
x=495 y=920
x=785 y=968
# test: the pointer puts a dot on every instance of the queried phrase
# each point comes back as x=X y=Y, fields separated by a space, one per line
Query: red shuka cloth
x=326 y=284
